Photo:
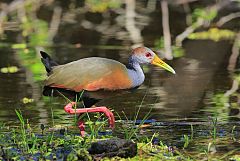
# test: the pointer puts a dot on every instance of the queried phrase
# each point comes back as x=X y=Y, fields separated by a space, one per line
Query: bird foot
x=69 y=109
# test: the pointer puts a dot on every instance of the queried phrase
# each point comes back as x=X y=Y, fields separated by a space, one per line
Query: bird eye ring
x=148 y=55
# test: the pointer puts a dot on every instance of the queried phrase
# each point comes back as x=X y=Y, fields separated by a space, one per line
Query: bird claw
x=69 y=109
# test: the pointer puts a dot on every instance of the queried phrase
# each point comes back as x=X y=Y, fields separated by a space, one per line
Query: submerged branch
x=232 y=64
x=235 y=53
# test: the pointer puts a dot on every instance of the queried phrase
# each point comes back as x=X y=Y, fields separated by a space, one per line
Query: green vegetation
x=102 y=6
x=214 y=34
x=22 y=143
x=206 y=14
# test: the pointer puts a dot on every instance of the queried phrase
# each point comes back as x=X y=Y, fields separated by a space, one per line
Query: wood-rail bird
x=93 y=75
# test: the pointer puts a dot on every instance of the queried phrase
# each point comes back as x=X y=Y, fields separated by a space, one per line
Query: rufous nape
x=93 y=75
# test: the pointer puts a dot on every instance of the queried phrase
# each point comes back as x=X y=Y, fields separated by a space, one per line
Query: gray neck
x=135 y=72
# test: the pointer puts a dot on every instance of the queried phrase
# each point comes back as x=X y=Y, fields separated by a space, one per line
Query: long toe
x=109 y=115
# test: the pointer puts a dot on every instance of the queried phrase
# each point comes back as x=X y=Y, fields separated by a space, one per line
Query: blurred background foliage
x=102 y=6
x=214 y=34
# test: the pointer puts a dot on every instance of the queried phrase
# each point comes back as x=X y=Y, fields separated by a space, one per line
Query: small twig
x=188 y=31
x=134 y=31
x=227 y=18
x=54 y=25
x=166 y=30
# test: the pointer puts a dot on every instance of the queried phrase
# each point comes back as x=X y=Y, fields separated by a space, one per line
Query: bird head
x=144 y=55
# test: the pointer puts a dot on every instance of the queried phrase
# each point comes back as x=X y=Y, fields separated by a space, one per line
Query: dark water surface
x=186 y=95
x=175 y=101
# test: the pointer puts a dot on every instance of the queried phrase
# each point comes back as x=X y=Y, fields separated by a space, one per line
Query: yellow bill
x=158 y=62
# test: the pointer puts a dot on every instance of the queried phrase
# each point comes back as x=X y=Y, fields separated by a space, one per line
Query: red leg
x=81 y=127
x=69 y=109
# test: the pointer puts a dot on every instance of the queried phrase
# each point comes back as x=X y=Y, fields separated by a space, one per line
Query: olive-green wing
x=90 y=74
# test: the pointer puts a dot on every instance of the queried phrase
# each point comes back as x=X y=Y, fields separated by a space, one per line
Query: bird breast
x=136 y=75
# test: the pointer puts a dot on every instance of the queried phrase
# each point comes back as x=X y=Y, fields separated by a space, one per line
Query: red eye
x=148 y=55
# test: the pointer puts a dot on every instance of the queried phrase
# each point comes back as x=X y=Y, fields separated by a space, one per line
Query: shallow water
x=186 y=95
x=175 y=101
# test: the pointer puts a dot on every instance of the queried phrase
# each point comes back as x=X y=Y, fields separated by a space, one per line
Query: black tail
x=47 y=61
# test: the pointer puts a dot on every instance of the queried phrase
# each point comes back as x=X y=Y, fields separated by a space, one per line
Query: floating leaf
x=26 y=100
x=4 y=70
x=11 y=69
